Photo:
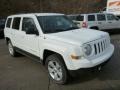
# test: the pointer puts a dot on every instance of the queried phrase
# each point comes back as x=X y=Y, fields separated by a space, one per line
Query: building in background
x=8 y=7
x=113 y=6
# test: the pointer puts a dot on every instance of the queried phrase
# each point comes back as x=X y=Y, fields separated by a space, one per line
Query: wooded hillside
x=8 y=7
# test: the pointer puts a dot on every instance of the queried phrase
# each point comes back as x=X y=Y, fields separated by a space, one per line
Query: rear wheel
x=11 y=49
x=56 y=69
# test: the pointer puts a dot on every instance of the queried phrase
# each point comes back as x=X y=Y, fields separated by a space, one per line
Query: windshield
x=53 y=24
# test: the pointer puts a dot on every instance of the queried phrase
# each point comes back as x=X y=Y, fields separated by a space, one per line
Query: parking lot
x=22 y=73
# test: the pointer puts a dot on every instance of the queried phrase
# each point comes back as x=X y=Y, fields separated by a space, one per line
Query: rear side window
x=91 y=17
x=101 y=17
x=80 y=18
x=8 y=22
x=16 y=23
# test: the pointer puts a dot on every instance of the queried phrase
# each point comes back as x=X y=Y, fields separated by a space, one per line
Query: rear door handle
x=109 y=22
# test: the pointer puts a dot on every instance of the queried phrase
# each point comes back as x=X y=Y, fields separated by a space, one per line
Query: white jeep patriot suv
x=57 y=42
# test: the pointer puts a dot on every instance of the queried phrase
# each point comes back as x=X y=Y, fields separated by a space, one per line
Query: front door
x=101 y=18
x=31 y=38
x=112 y=22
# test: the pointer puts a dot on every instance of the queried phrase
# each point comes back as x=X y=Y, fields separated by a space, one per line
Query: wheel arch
x=7 y=39
x=48 y=52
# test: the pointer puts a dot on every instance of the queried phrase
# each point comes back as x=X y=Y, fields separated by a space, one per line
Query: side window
x=101 y=17
x=110 y=17
x=16 y=23
x=28 y=24
x=91 y=17
x=80 y=18
x=8 y=22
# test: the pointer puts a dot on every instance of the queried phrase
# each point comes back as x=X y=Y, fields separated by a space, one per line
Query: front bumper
x=83 y=70
x=85 y=63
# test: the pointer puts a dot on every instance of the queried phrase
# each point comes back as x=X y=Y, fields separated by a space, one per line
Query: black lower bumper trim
x=98 y=67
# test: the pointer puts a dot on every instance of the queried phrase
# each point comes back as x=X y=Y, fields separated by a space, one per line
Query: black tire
x=13 y=52
x=59 y=60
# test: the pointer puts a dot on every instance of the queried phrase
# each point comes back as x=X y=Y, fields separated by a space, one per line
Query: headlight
x=87 y=49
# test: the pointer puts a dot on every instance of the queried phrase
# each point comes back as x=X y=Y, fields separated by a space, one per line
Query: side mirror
x=32 y=30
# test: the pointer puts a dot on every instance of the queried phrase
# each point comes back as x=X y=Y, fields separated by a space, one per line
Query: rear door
x=101 y=20
x=91 y=21
x=15 y=31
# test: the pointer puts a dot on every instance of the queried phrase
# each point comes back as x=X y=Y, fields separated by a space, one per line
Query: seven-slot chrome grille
x=99 y=46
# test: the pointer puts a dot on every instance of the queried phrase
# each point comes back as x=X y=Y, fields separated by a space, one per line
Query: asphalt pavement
x=23 y=73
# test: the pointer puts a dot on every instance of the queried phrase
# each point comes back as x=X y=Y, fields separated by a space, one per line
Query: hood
x=78 y=36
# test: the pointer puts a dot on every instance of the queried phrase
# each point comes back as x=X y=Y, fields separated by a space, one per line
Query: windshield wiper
x=55 y=30
x=71 y=28
x=59 y=30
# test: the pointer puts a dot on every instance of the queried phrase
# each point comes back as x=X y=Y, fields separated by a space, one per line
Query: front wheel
x=56 y=69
